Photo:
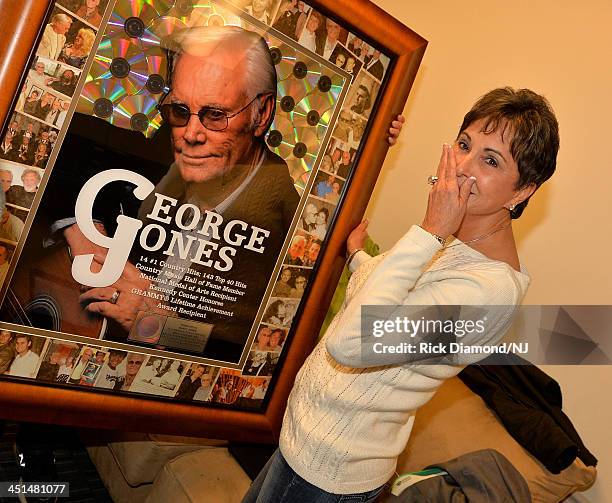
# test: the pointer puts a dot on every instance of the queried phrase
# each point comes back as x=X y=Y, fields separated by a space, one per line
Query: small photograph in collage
x=7 y=249
x=230 y=387
x=362 y=94
x=133 y=364
x=66 y=39
x=338 y=159
x=87 y=10
x=20 y=354
x=112 y=373
x=197 y=383
x=28 y=141
x=57 y=76
x=328 y=186
x=291 y=282
x=375 y=63
x=329 y=35
x=308 y=37
x=253 y=393
x=86 y=355
x=356 y=46
x=58 y=362
x=260 y=363
x=280 y=312
x=262 y=10
x=342 y=58
x=93 y=367
x=344 y=127
x=11 y=219
x=159 y=376
x=304 y=249
x=19 y=184
x=350 y=128
x=48 y=106
x=269 y=339
x=315 y=220
x=291 y=17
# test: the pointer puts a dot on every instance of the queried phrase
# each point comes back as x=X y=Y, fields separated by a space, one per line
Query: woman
x=277 y=338
x=320 y=227
x=262 y=342
x=327 y=164
x=75 y=54
x=350 y=413
x=40 y=156
x=308 y=37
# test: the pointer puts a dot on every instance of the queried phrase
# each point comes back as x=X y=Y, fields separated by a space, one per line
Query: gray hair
x=30 y=172
x=257 y=63
x=61 y=18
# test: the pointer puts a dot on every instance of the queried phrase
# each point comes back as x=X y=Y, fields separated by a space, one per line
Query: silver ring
x=432 y=179
x=114 y=297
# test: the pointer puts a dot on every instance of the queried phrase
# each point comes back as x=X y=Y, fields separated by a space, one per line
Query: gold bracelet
x=352 y=256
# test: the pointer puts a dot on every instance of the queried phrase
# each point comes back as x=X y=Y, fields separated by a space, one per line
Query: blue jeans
x=278 y=483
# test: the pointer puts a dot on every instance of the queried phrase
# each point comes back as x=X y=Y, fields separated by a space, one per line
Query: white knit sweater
x=345 y=426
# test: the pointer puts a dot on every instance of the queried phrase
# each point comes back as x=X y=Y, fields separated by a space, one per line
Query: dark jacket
x=528 y=403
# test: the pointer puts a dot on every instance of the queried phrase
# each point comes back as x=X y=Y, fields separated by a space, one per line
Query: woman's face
x=78 y=41
x=313 y=23
x=487 y=157
x=326 y=163
x=281 y=310
x=276 y=338
x=340 y=60
x=350 y=64
x=321 y=218
x=263 y=337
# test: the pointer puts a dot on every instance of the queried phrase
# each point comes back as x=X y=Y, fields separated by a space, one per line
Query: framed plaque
x=180 y=178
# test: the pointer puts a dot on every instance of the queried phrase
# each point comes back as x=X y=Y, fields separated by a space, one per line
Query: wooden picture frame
x=22 y=24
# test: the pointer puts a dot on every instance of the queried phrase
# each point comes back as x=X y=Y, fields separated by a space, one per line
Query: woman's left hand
x=357 y=237
x=396 y=129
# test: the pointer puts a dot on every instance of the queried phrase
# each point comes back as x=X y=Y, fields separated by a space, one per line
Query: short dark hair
x=534 y=130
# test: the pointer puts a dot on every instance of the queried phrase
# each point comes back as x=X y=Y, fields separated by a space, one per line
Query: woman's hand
x=396 y=129
x=357 y=237
x=447 y=201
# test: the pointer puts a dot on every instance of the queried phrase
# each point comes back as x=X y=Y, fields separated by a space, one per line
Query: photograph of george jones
x=221 y=177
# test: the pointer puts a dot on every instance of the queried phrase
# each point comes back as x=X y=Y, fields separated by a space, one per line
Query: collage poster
x=177 y=225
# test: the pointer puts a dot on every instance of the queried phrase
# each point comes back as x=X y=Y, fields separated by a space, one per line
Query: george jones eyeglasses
x=213 y=119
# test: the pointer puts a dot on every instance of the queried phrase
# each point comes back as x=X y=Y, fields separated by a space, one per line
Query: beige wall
x=561 y=49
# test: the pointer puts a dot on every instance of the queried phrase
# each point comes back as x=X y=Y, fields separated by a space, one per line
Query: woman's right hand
x=447 y=200
x=357 y=237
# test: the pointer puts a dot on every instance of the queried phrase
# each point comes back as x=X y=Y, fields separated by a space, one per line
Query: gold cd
x=120 y=60
x=99 y=98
